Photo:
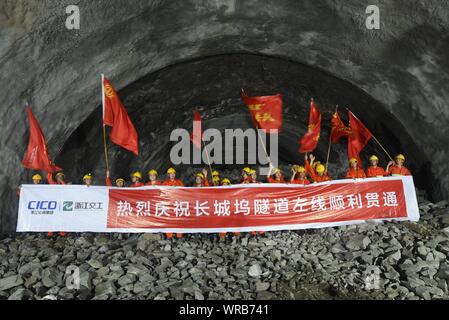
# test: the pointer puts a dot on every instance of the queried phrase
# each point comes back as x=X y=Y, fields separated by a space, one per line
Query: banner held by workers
x=75 y=208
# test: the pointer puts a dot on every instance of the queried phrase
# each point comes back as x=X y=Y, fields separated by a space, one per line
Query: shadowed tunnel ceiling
x=166 y=57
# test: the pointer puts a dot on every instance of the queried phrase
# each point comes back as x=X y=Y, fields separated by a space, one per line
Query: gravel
x=391 y=260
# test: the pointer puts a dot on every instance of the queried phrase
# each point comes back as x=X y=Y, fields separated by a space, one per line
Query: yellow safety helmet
x=153 y=172
x=353 y=160
x=137 y=174
x=216 y=179
x=199 y=174
x=252 y=171
x=373 y=158
x=315 y=164
x=247 y=170
x=400 y=156
x=300 y=169
x=215 y=173
x=119 y=180
x=225 y=180
x=60 y=174
x=87 y=176
x=276 y=170
x=37 y=177
x=320 y=168
x=171 y=170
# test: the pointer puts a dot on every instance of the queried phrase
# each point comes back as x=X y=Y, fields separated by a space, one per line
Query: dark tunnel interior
x=163 y=101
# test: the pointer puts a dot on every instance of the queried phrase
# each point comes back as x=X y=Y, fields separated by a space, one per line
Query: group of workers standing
x=316 y=171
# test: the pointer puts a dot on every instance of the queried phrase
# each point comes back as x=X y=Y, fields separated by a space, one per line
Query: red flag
x=123 y=132
x=37 y=156
x=266 y=111
x=359 y=137
x=197 y=135
x=338 y=128
x=310 y=140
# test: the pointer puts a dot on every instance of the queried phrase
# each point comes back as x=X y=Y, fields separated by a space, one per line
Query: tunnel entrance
x=163 y=101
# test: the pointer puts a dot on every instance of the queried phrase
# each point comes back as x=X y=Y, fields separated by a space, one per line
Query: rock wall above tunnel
x=403 y=66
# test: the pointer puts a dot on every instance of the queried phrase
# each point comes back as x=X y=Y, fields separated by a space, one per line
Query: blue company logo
x=42 y=205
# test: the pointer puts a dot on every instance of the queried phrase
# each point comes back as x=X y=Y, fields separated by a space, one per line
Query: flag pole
x=205 y=149
x=375 y=139
x=208 y=160
x=330 y=142
x=104 y=126
x=264 y=148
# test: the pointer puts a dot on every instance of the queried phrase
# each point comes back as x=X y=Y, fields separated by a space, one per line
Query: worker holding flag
x=397 y=167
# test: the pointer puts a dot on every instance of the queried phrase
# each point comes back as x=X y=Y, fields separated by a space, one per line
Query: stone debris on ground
x=389 y=260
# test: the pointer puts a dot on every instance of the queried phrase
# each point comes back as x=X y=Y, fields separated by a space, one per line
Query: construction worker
x=87 y=179
x=245 y=175
x=319 y=174
x=216 y=181
x=253 y=176
x=374 y=170
x=37 y=179
x=397 y=167
x=172 y=181
x=59 y=178
x=225 y=182
x=299 y=175
x=119 y=182
x=354 y=172
x=215 y=173
x=275 y=176
x=152 y=178
x=199 y=180
x=136 y=179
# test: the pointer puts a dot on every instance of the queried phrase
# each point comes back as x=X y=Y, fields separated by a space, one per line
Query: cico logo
x=42 y=205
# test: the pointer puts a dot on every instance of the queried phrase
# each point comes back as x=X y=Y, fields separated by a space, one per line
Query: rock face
x=167 y=57
x=376 y=261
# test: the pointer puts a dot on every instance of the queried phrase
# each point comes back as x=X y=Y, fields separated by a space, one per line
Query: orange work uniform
x=52 y=181
x=154 y=183
x=173 y=183
x=394 y=170
x=354 y=173
x=316 y=177
x=300 y=181
x=273 y=180
x=373 y=172
x=136 y=184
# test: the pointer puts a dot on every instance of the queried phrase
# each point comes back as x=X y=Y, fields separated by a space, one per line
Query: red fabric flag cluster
x=36 y=156
x=123 y=132
x=338 y=128
x=197 y=135
x=310 y=140
x=266 y=111
x=359 y=137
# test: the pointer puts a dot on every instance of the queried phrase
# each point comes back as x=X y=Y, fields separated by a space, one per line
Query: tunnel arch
x=403 y=65
x=163 y=100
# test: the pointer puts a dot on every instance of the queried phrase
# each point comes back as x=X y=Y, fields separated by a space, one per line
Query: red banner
x=261 y=207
